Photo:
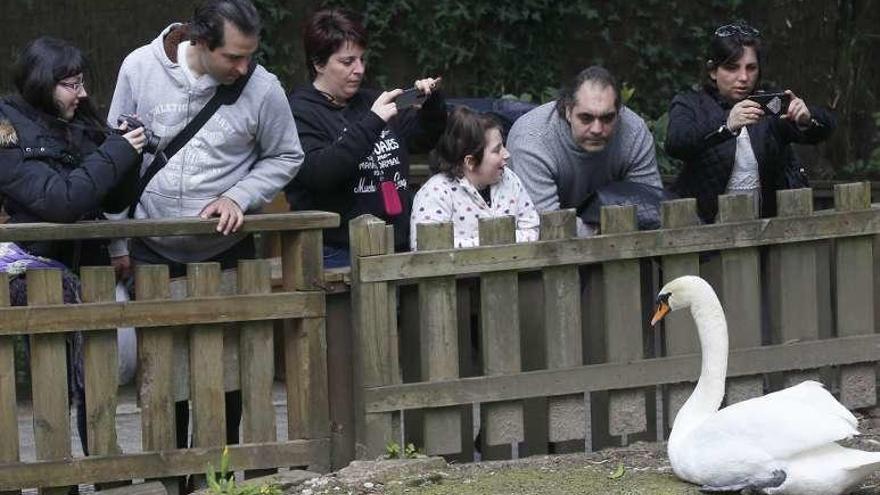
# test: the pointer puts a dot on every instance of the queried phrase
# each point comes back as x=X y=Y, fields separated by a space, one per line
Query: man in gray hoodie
x=237 y=162
x=565 y=150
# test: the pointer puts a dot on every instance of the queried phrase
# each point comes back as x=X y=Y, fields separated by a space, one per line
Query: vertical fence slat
x=206 y=363
x=305 y=343
x=101 y=366
x=855 y=296
x=741 y=294
x=156 y=369
x=9 y=449
x=680 y=331
x=257 y=371
x=562 y=330
x=623 y=324
x=503 y=422
x=49 y=376
x=376 y=354
x=796 y=295
x=438 y=317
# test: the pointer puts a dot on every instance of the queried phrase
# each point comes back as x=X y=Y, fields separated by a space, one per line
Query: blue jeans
x=336 y=257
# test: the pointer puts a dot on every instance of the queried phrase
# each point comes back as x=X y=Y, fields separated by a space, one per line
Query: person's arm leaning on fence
x=642 y=156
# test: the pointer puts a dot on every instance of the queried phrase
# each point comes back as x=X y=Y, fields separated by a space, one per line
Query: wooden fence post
x=503 y=422
x=855 y=296
x=567 y=415
x=375 y=327
x=8 y=406
x=101 y=359
x=49 y=376
x=623 y=324
x=206 y=384
x=680 y=331
x=741 y=294
x=156 y=369
x=796 y=292
x=438 y=317
x=305 y=342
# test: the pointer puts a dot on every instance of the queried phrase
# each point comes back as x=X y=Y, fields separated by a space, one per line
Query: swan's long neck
x=712 y=329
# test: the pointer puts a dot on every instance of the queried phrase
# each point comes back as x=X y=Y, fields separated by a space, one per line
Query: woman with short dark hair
x=58 y=163
x=356 y=141
x=729 y=142
x=471 y=181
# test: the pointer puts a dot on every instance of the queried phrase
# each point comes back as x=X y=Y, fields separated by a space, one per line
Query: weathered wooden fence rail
x=205 y=324
x=565 y=357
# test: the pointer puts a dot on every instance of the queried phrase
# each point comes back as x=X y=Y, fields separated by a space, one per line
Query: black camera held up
x=151 y=145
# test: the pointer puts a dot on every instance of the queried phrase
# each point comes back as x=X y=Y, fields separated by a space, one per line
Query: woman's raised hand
x=744 y=113
x=427 y=85
x=384 y=105
x=136 y=138
x=797 y=110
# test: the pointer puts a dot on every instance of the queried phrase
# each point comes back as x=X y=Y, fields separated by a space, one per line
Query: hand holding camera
x=745 y=112
x=133 y=130
x=797 y=110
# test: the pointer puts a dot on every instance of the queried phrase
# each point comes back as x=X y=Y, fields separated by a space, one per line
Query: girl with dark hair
x=471 y=181
x=58 y=163
x=728 y=141
x=356 y=141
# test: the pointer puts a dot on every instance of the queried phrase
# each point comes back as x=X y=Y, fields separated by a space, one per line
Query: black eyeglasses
x=737 y=30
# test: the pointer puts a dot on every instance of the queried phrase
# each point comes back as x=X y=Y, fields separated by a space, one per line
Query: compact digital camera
x=773 y=103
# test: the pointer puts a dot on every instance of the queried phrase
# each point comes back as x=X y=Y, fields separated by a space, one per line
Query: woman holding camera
x=734 y=140
x=471 y=181
x=356 y=141
x=58 y=163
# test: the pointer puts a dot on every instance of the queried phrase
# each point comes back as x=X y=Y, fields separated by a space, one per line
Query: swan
x=781 y=443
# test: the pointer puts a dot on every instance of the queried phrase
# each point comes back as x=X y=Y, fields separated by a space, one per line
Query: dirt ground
x=641 y=468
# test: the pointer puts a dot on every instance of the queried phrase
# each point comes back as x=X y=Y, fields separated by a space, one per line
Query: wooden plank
x=623 y=324
x=101 y=361
x=9 y=449
x=49 y=377
x=795 y=294
x=300 y=220
x=155 y=370
x=340 y=344
x=854 y=263
x=537 y=255
x=148 y=488
x=206 y=363
x=438 y=314
x=375 y=351
x=680 y=331
x=257 y=371
x=741 y=294
x=144 y=314
x=502 y=423
x=158 y=464
x=608 y=376
x=306 y=344
x=562 y=330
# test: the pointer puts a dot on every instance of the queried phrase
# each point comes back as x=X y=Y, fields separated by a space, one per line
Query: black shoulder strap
x=225 y=95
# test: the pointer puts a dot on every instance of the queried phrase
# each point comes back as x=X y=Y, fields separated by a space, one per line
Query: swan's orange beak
x=660 y=312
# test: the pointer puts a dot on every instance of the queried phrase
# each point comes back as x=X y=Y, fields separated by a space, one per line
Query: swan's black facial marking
x=663 y=298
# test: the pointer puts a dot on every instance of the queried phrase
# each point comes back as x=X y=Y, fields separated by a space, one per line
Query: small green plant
x=394 y=451
x=222 y=482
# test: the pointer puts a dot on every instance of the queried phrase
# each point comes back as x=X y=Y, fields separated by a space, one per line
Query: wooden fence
x=546 y=346
x=212 y=326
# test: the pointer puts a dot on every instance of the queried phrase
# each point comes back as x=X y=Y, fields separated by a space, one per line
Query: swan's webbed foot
x=753 y=485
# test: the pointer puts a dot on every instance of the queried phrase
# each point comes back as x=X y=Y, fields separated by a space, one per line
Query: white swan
x=781 y=443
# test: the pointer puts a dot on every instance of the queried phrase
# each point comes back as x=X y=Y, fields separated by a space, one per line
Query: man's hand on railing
x=122 y=266
x=231 y=216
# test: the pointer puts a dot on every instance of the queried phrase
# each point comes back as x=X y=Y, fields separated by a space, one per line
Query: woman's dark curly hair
x=465 y=135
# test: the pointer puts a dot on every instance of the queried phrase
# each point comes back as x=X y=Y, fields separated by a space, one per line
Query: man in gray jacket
x=563 y=151
x=237 y=162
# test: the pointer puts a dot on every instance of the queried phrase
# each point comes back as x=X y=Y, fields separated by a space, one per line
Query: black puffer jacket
x=51 y=171
x=693 y=136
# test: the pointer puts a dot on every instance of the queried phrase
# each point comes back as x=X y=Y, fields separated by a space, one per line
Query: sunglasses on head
x=737 y=30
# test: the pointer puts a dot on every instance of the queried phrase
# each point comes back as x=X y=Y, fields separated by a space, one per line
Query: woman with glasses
x=728 y=140
x=58 y=163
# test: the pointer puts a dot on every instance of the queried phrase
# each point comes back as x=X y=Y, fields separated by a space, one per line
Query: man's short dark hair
x=327 y=31
x=593 y=74
x=210 y=17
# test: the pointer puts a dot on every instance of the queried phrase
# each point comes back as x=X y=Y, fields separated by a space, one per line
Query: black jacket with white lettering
x=349 y=150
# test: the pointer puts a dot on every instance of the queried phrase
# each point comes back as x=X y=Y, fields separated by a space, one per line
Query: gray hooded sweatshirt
x=246 y=152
